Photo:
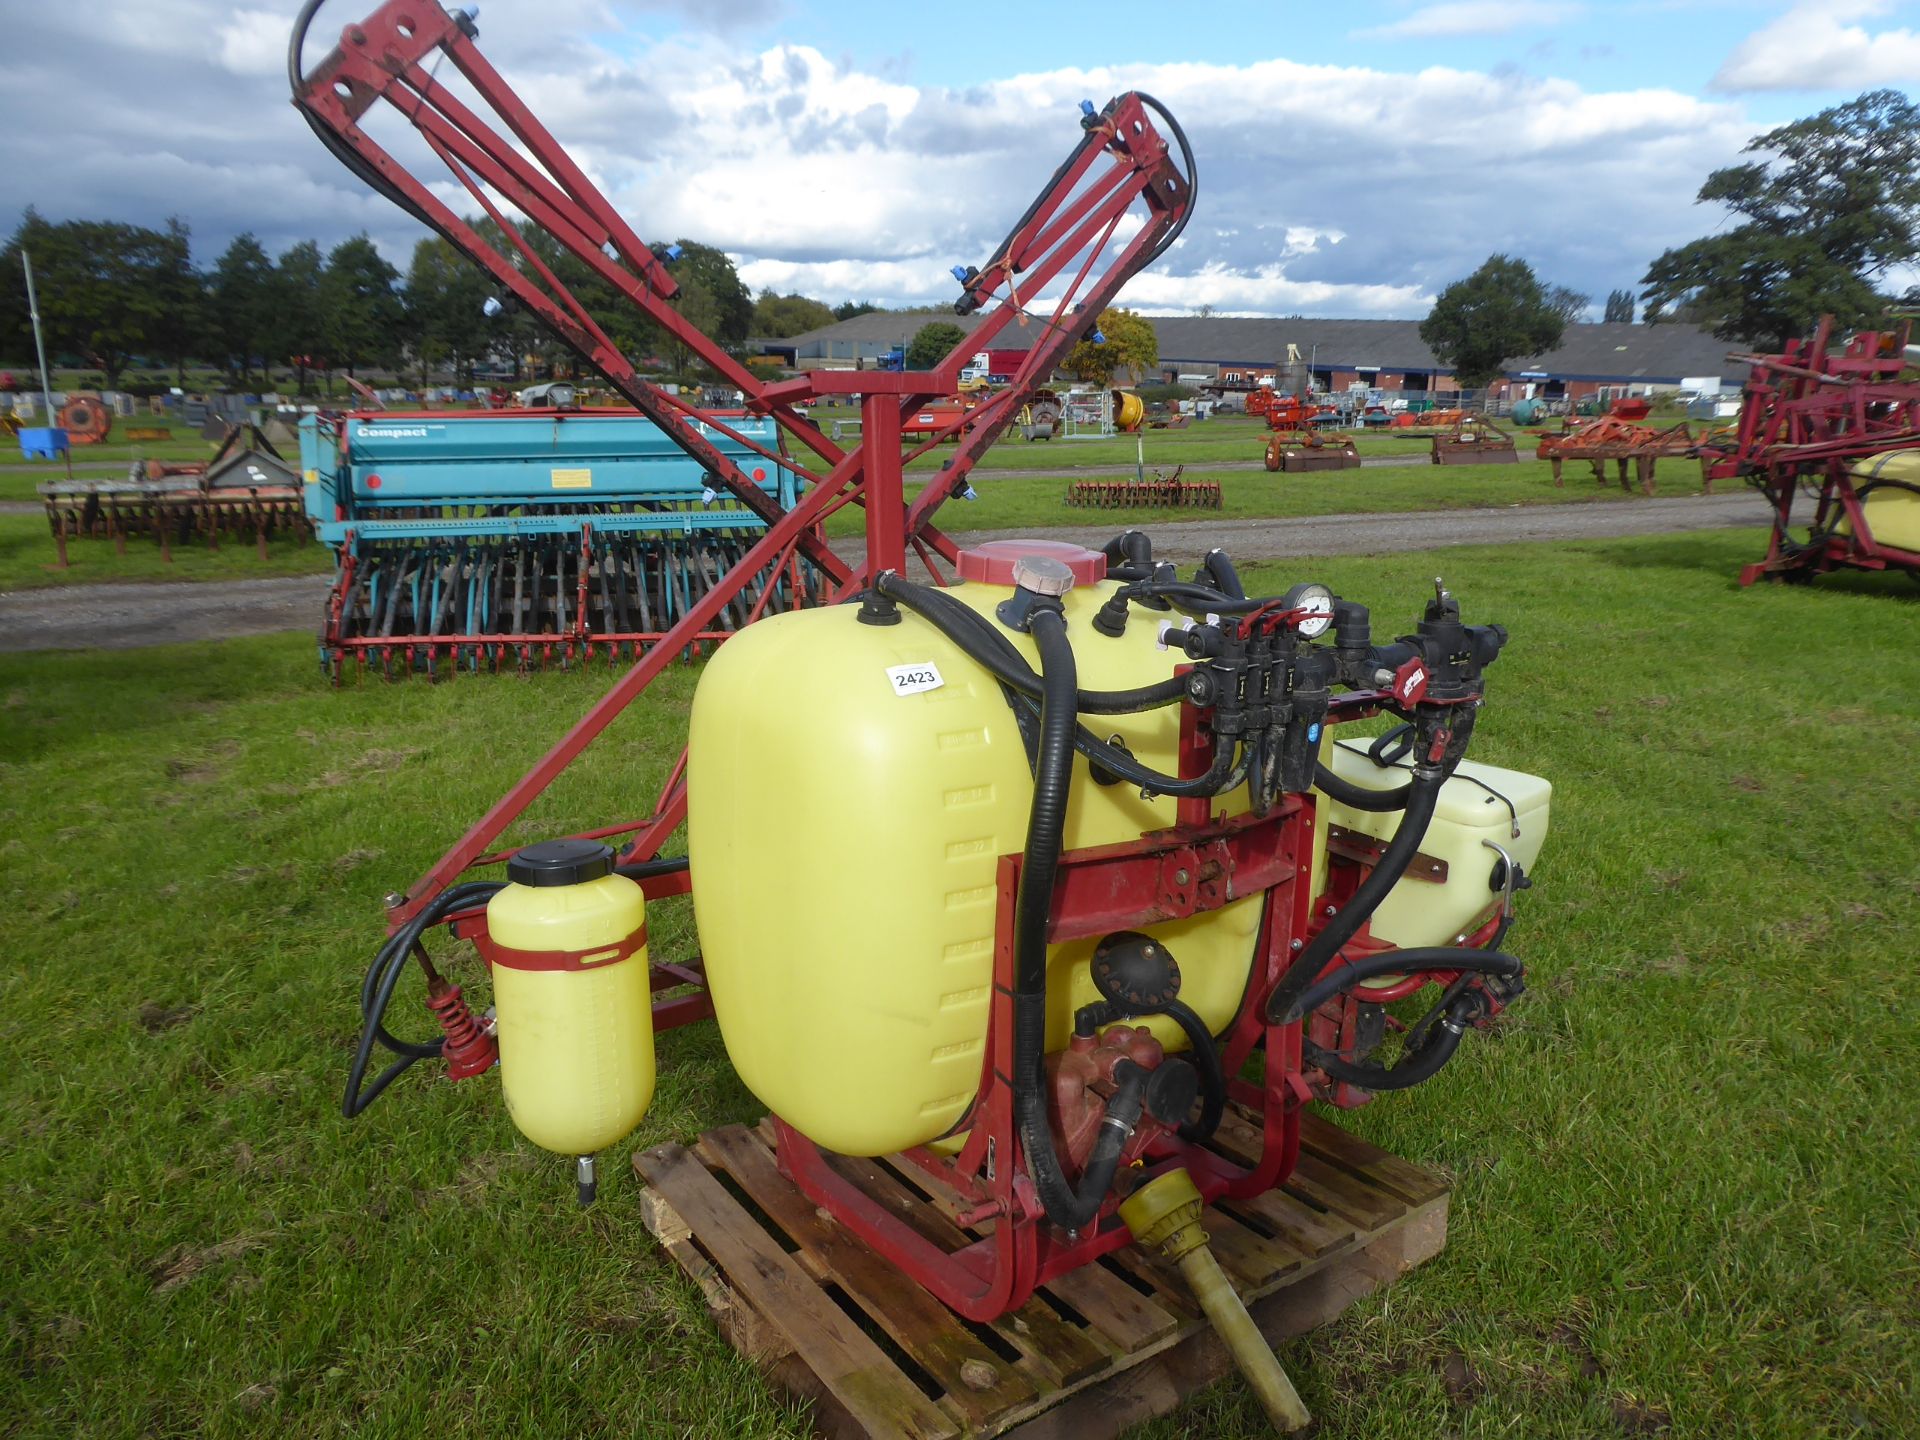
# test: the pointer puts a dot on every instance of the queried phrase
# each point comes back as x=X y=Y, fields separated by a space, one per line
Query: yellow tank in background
x=1892 y=513
x=852 y=789
x=567 y=943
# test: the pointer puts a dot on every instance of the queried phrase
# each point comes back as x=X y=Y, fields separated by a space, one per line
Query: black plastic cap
x=560 y=862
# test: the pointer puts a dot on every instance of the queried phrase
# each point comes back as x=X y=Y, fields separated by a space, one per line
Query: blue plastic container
x=46 y=442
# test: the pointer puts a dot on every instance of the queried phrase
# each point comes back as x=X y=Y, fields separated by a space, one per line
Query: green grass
x=1686 y=1166
x=1040 y=503
x=29 y=560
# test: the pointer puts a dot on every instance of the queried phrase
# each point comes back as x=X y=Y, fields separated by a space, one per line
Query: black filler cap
x=560 y=862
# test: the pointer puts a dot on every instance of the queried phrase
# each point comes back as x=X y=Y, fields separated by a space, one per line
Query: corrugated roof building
x=1237 y=351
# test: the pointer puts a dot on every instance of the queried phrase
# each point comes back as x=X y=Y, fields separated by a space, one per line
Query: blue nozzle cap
x=969 y=493
x=491 y=307
x=1097 y=338
x=1086 y=108
x=673 y=252
x=1313 y=732
x=959 y=272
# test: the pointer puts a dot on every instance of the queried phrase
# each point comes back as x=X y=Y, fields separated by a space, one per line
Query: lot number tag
x=912 y=679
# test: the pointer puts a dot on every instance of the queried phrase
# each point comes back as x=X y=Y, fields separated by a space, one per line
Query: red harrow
x=1827 y=422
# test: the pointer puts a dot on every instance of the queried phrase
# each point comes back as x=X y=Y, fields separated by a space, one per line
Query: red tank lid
x=992 y=563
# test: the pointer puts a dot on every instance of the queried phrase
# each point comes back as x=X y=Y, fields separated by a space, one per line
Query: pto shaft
x=1164 y=1214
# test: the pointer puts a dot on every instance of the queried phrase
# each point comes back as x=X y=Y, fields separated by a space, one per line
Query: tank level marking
x=964 y=849
x=970 y=795
x=973 y=895
x=967 y=949
x=955 y=1051
x=960 y=739
x=960 y=999
x=946 y=1103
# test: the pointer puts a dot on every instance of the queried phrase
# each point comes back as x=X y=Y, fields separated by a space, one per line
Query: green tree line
x=113 y=294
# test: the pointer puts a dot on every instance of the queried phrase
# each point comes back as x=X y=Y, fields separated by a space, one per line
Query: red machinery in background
x=1810 y=419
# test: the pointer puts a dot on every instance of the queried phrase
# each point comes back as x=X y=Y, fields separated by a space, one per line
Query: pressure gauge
x=1316 y=601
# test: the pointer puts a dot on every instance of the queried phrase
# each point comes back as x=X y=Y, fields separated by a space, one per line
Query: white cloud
x=254 y=42
x=1475 y=17
x=1334 y=189
x=1815 y=47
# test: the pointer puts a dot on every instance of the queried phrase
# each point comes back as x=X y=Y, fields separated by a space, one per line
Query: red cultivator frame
x=1808 y=416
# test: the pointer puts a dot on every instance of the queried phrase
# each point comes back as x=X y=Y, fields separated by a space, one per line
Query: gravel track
x=122 y=617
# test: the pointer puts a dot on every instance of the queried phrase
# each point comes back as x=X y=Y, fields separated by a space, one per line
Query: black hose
x=1193 y=176
x=1395 y=962
x=1190 y=597
x=1423 y=796
x=991 y=649
x=1213 y=1075
x=1358 y=797
x=1415 y=1064
x=376 y=993
x=1225 y=578
x=648 y=869
x=1046 y=827
x=986 y=646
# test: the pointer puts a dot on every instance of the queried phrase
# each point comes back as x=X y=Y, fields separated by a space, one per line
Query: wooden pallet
x=1097 y=1350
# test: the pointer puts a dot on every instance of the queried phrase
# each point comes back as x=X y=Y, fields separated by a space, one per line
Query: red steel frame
x=1198 y=865
x=1121 y=162
x=1810 y=414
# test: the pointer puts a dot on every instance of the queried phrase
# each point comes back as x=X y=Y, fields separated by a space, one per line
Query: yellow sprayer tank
x=851 y=789
x=1892 y=510
x=567 y=940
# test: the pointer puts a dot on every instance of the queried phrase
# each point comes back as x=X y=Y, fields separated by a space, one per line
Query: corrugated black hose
x=1423 y=794
x=1046 y=825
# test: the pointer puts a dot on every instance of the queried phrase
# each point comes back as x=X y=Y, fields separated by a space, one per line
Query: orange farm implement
x=1611 y=438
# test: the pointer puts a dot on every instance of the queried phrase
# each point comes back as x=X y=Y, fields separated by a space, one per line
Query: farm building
x=1239 y=353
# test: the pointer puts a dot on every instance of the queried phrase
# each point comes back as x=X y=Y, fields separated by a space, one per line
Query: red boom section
x=1807 y=416
x=1069 y=244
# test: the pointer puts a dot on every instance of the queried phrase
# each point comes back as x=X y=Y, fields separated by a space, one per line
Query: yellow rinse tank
x=1479 y=803
x=852 y=788
x=567 y=943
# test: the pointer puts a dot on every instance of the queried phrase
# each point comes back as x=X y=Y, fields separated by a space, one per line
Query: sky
x=1353 y=158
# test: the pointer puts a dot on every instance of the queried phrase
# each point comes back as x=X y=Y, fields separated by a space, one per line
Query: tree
x=1569 y=304
x=777 y=316
x=297 y=334
x=1498 y=312
x=732 y=301
x=446 y=319
x=1127 y=342
x=363 y=318
x=99 y=285
x=1832 y=208
x=848 y=309
x=180 y=325
x=1619 y=307
x=698 y=308
x=932 y=343
x=241 y=304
